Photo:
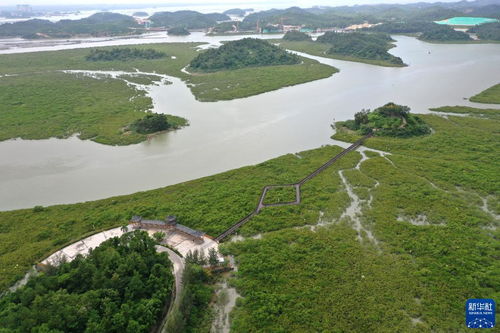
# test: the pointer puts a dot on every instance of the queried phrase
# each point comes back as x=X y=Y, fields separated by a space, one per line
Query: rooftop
x=189 y=231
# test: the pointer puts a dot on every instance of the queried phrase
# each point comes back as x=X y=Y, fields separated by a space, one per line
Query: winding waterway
x=230 y=134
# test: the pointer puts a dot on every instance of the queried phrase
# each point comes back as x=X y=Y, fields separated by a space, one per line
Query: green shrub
x=123 y=54
x=295 y=35
x=121 y=286
x=151 y=123
x=247 y=52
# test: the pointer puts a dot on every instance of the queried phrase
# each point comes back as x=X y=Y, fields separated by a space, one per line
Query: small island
x=296 y=36
x=361 y=45
x=247 y=52
x=388 y=120
x=155 y=123
x=123 y=54
x=369 y=48
x=249 y=67
x=440 y=33
x=178 y=31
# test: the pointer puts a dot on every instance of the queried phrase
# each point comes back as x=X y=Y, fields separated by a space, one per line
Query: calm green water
x=467 y=21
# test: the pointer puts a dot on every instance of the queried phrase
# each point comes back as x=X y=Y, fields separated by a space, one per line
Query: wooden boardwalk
x=261 y=205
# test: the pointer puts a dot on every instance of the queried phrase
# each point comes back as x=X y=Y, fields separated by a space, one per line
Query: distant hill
x=343 y=16
x=290 y=16
x=360 y=45
x=428 y=31
x=187 y=19
x=247 y=52
x=238 y=11
x=492 y=11
x=100 y=24
x=140 y=14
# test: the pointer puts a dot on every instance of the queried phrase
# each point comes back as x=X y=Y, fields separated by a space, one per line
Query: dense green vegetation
x=301 y=280
x=321 y=50
x=227 y=85
x=427 y=31
x=280 y=195
x=358 y=47
x=152 y=123
x=296 y=36
x=178 y=31
x=224 y=27
x=409 y=27
x=304 y=281
x=297 y=16
x=74 y=59
x=388 y=120
x=187 y=19
x=123 y=54
x=192 y=314
x=121 y=286
x=488 y=31
x=444 y=34
x=247 y=52
x=294 y=278
x=361 y=45
x=100 y=24
x=490 y=95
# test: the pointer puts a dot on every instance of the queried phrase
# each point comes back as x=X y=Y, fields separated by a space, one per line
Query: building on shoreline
x=169 y=224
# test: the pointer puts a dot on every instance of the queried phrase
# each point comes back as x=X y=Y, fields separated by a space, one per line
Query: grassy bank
x=467 y=110
x=320 y=50
x=227 y=85
x=38 y=101
x=56 y=104
x=490 y=95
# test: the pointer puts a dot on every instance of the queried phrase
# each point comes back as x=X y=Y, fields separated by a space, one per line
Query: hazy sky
x=229 y=3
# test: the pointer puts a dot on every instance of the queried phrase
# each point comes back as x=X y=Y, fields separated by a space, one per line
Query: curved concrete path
x=178 y=269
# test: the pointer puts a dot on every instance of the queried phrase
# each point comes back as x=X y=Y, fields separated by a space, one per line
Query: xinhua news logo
x=480 y=313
